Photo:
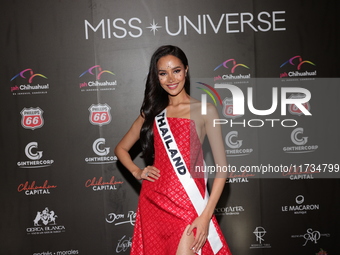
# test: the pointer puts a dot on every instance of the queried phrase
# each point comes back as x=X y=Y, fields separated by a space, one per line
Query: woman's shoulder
x=199 y=108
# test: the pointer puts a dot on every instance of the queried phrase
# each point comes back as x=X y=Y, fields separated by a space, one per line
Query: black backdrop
x=72 y=81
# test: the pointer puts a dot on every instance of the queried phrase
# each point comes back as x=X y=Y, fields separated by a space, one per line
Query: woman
x=174 y=215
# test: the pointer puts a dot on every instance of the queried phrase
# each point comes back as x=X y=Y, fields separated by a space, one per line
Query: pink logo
x=96 y=71
x=297 y=61
x=233 y=65
x=28 y=74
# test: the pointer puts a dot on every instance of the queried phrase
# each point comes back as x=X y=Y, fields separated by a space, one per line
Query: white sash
x=185 y=177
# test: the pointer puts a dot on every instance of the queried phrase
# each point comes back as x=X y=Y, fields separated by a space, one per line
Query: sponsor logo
x=98 y=150
x=102 y=153
x=235 y=145
x=300 y=208
x=311 y=236
x=32 y=118
x=239 y=178
x=99 y=185
x=124 y=244
x=45 y=223
x=301 y=172
x=293 y=109
x=259 y=233
x=99 y=83
x=229 y=210
x=300 y=142
x=228 y=109
x=295 y=65
x=100 y=114
x=28 y=75
x=237 y=73
x=121 y=218
x=299 y=199
x=35 y=156
x=34 y=189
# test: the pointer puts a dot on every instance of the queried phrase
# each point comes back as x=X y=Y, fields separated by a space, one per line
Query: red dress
x=164 y=208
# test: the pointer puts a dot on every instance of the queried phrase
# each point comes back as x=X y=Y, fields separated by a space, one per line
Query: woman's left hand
x=201 y=223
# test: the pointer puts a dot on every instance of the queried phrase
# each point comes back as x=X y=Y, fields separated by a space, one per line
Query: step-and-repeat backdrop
x=72 y=82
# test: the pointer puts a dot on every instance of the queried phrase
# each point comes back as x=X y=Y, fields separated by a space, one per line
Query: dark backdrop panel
x=78 y=68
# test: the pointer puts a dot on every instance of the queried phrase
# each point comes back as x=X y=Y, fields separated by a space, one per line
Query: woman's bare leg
x=185 y=242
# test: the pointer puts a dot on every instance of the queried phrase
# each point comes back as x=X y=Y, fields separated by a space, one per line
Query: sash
x=185 y=177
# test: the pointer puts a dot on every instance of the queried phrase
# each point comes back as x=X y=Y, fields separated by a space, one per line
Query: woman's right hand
x=149 y=173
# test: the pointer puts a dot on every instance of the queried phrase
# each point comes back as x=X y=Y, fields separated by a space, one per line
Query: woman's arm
x=214 y=134
x=217 y=146
x=122 y=152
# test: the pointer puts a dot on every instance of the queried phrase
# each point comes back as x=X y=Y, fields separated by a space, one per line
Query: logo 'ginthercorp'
x=230 y=142
x=97 y=147
x=235 y=145
x=102 y=153
x=295 y=136
x=29 y=151
x=300 y=142
x=35 y=156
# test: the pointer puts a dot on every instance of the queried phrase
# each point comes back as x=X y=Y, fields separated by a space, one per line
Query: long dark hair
x=156 y=98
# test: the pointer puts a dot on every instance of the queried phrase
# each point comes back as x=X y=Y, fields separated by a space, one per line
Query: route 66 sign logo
x=100 y=114
x=32 y=118
x=293 y=109
x=228 y=108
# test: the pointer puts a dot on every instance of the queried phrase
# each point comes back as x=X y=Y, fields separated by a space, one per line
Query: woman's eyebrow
x=171 y=68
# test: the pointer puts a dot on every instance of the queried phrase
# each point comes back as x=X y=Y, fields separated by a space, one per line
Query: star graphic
x=154 y=27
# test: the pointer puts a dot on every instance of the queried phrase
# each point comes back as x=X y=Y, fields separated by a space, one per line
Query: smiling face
x=171 y=74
